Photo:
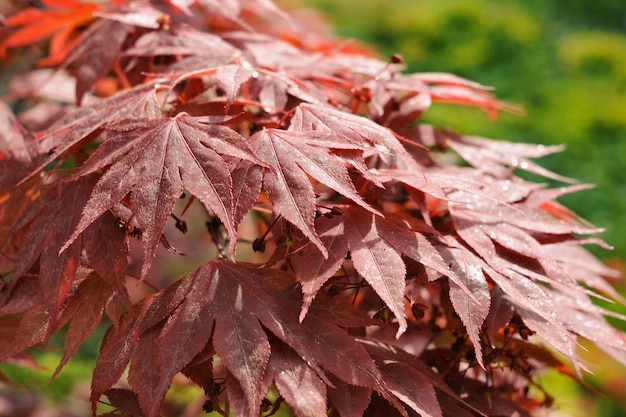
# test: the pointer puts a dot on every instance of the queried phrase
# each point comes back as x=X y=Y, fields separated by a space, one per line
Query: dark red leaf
x=125 y=401
x=239 y=340
x=314 y=340
x=43 y=243
x=184 y=41
x=298 y=383
x=95 y=53
x=188 y=324
x=349 y=400
x=79 y=125
x=200 y=369
x=247 y=180
x=374 y=259
x=288 y=185
x=415 y=382
x=500 y=314
x=581 y=265
x=85 y=310
x=144 y=374
x=472 y=310
x=407 y=383
x=237 y=401
x=120 y=341
x=353 y=130
x=166 y=156
x=311 y=268
x=116 y=350
x=234 y=295
x=231 y=77
x=35 y=327
x=105 y=236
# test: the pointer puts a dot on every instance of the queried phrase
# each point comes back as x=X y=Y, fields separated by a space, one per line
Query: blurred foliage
x=564 y=62
x=32 y=393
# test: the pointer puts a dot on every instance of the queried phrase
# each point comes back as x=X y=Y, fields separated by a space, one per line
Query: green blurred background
x=565 y=62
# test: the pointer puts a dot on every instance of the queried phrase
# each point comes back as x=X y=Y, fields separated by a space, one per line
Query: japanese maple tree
x=355 y=261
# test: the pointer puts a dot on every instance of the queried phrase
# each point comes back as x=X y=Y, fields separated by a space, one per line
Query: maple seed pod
x=418 y=310
x=396 y=59
x=213 y=224
x=180 y=223
x=207 y=407
x=214 y=387
x=266 y=405
x=258 y=245
x=334 y=290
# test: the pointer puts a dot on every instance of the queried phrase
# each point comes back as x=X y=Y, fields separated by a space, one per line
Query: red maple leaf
x=164 y=157
x=207 y=305
x=60 y=20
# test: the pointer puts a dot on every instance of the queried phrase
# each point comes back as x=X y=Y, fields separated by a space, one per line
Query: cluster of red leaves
x=366 y=223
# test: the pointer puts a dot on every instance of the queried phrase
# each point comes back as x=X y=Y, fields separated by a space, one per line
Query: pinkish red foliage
x=348 y=265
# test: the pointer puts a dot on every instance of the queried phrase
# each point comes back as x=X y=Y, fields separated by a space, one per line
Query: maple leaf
x=42 y=244
x=184 y=41
x=414 y=383
x=356 y=131
x=511 y=227
x=265 y=87
x=84 y=308
x=374 y=259
x=536 y=307
x=125 y=401
x=93 y=57
x=584 y=318
x=499 y=158
x=57 y=276
x=82 y=124
x=234 y=296
x=60 y=20
x=17 y=156
x=582 y=266
x=296 y=381
x=472 y=302
x=349 y=400
x=164 y=157
x=375 y=244
x=288 y=186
